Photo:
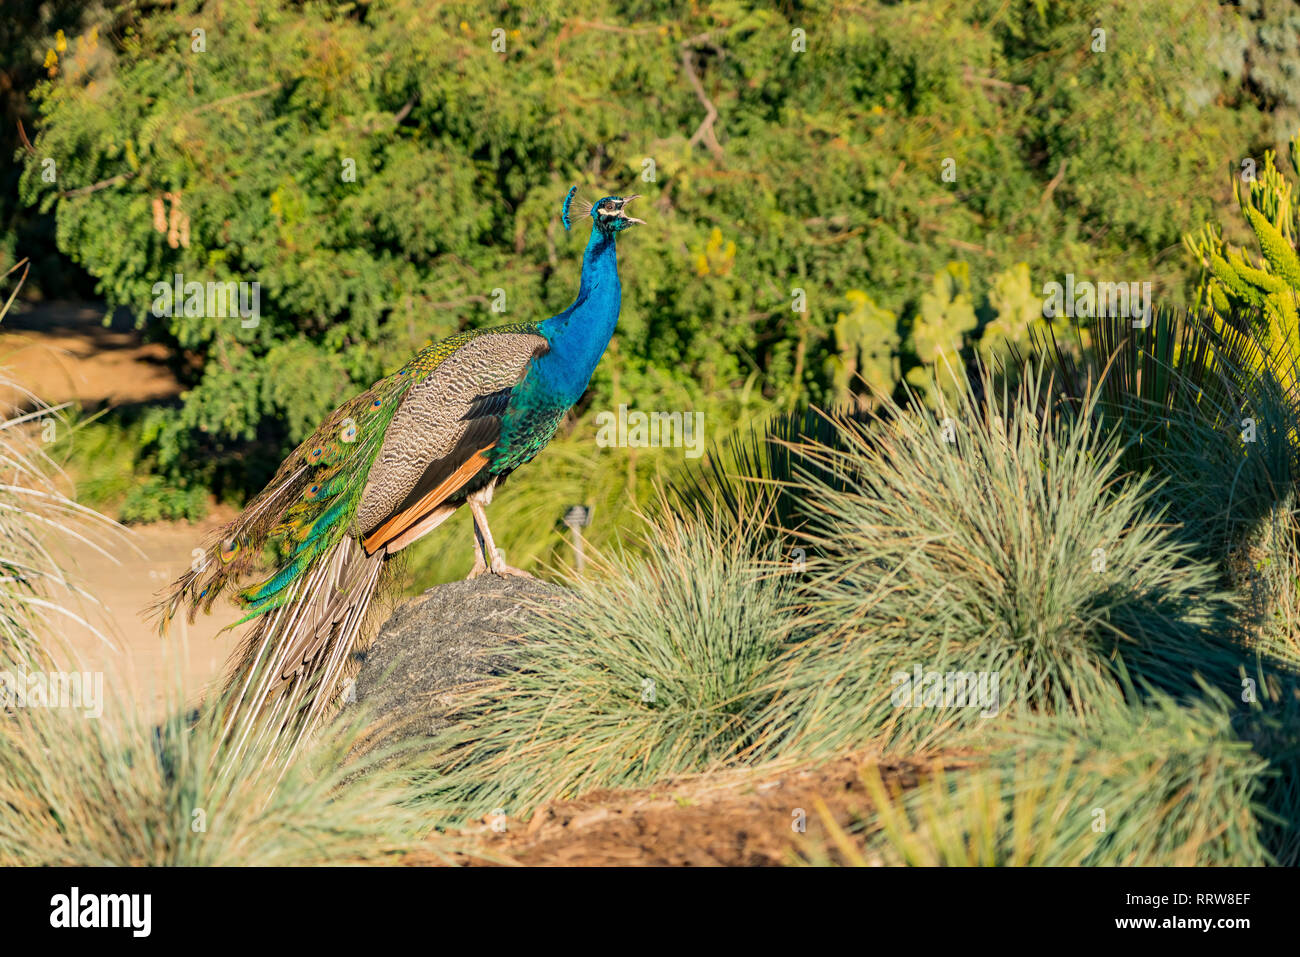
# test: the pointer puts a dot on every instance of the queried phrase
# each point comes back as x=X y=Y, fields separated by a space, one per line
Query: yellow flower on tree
x=717 y=257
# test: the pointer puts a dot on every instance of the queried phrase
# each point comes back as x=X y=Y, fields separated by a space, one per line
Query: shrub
x=995 y=537
x=355 y=162
x=156 y=500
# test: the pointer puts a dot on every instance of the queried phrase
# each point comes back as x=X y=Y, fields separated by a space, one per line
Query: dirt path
x=62 y=352
x=140 y=665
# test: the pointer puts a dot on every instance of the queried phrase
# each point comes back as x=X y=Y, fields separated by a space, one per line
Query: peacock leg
x=480 y=566
x=484 y=535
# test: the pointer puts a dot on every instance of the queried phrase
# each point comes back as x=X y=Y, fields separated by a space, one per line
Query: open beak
x=622 y=212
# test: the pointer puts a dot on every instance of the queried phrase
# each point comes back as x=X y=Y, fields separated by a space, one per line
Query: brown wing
x=439 y=438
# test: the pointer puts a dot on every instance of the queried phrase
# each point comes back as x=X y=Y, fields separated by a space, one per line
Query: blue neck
x=579 y=335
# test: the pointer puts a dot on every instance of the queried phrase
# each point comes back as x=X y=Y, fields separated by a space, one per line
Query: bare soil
x=61 y=351
x=140 y=665
x=737 y=818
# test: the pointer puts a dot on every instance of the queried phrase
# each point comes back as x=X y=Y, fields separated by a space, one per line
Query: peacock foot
x=506 y=571
x=480 y=568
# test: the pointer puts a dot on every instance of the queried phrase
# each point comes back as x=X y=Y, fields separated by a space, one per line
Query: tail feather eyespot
x=324 y=455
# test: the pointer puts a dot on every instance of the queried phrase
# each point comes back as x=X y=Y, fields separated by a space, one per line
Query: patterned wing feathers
x=427 y=503
x=446 y=419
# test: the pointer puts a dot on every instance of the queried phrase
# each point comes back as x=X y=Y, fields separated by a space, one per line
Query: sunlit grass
x=122 y=791
x=1156 y=785
x=1001 y=535
x=116 y=789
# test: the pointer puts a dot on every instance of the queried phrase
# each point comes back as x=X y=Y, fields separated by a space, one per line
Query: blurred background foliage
x=804 y=246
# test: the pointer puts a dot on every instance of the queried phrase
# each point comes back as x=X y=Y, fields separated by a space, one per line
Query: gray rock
x=436 y=645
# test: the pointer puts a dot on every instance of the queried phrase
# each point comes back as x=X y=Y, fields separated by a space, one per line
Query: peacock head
x=608 y=215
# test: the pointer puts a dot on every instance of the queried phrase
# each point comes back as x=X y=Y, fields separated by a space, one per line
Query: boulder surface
x=437 y=644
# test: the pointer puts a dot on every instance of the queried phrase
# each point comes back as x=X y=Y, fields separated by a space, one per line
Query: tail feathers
x=288 y=669
x=230 y=554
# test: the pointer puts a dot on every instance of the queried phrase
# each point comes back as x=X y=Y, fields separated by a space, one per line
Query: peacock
x=385 y=469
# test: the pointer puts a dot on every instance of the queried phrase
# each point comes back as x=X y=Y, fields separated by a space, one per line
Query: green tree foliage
x=1264 y=50
x=382 y=169
x=28 y=30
